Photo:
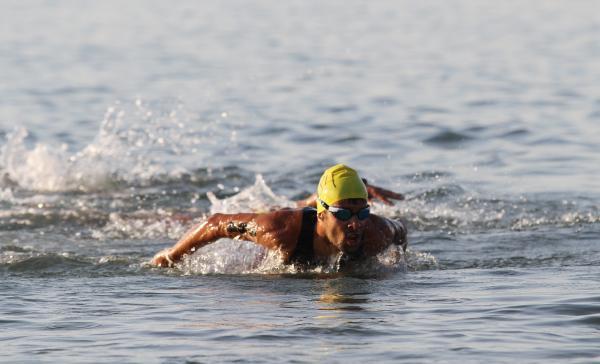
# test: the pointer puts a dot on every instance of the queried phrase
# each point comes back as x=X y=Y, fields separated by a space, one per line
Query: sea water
x=124 y=124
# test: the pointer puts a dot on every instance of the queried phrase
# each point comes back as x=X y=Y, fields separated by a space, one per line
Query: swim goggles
x=345 y=214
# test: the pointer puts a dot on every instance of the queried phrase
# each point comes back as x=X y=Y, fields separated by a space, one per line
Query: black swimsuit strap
x=304 y=252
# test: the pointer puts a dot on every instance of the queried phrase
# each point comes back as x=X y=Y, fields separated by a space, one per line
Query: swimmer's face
x=346 y=235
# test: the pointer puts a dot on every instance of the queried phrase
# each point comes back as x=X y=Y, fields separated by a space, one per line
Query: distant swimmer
x=342 y=225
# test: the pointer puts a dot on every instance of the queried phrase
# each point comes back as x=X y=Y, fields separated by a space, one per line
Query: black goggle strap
x=323 y=203
x=335 y=210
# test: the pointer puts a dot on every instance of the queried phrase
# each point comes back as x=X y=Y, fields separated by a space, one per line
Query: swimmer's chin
x=350 y=245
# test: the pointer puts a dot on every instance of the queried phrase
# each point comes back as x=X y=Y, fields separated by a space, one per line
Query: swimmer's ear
x=321 y=215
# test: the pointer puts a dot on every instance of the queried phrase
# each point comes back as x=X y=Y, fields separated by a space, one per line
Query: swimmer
x=342 y=225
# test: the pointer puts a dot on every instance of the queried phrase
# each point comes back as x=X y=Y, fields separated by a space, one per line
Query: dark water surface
x=122 y=124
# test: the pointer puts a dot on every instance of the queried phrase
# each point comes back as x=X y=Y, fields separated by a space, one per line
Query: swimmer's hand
x=162 y=259
x=383 y=195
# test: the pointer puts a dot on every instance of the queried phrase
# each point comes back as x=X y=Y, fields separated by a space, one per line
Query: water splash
x=229 y=256
x=232 y=257
x=453 y=209
x=416 y=260
x=6 y=194
x=40 y=168
x=256 y=198
x=148 y=225
x=134 y=144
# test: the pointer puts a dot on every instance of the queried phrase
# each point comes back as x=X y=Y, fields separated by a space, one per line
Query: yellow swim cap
x=337 y=183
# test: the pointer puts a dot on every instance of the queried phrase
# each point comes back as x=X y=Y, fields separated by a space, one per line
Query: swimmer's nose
x=353 y=223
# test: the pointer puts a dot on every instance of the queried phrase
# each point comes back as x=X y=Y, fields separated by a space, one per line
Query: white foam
x=228 y=256
x=256 y=198
x=144 y=225
x=133 y=144
x=416 y=260
x=41 y=168
x=471 y=211
x=162 y=225
x=6 y=194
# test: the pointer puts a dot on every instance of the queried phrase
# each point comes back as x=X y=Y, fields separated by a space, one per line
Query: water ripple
x=448 y=138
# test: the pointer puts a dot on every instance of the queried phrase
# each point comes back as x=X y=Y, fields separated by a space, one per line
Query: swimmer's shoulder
x=281 y=217
x=380 y=233
x=283 y=225
x=378 y=223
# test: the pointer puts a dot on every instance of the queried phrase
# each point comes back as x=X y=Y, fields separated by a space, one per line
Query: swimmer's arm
x=234 y=226
x=310 y=201
x=400 y=233
x=375 y=193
